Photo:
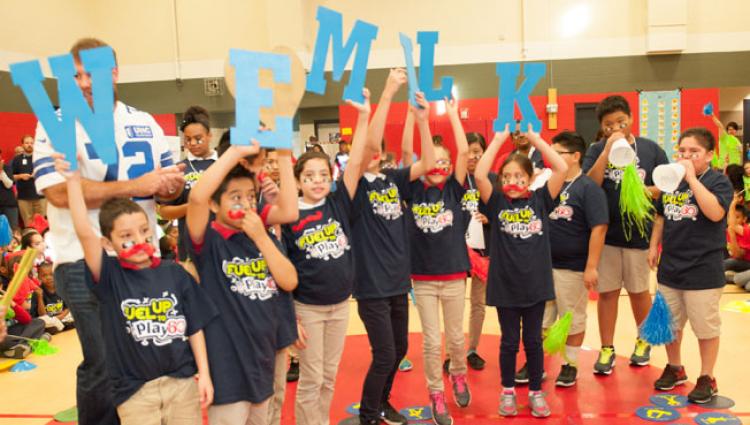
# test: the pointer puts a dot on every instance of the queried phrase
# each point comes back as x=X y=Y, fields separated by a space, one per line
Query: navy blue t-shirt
x=379 y=235
x=437 y=228
x=147 y=316
x=648 y=156
x=53 y=303
x=520 y=273
x=242 y=343
x=692 y=245
x=193 y=171
x=286 y=333
x=581 y=206
x=319 y=245
x=22 y=164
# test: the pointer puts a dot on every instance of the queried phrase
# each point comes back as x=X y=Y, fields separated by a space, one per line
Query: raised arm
x=198 y=211
x=90 y=241
x=361 y=151
x=462 y=145
x=557 y=163
x=427 y=159
x=481 y=173
x=172 y=212
x=597 y=170
x=719 y=125
x=407 y=139
x=396 y=78
x=286 y=210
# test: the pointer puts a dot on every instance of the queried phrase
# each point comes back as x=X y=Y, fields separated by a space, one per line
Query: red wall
x=14 y=125
x=483 y=111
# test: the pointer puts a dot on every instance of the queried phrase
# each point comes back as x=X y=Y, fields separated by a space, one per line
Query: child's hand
x=591 y=278
x=396 y=78
x=502 y=136
x=364 y=107
x=205 y=389
x=689 y=169
x=63 y=167
x=253 y=226
x=653 y=258
x=301 y=342
x=481 y=218
x=246 y=150
x=534 y=137
x=612 y=139
x=451 y=106
x=423 y=112
x=269 y=190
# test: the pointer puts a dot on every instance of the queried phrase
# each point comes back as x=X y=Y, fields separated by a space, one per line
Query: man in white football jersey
x=145 y=170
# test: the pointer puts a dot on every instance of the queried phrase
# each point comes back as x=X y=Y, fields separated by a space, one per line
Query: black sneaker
x=18 y=351
x=670 y=378
x=447 y=366
x=522 y=376
x=567 y=376
x=641 y=353
x=292 y=374
x=363 y=421
x=391 y=415
x=705 y=390
x=475 y=362
x=605 y=362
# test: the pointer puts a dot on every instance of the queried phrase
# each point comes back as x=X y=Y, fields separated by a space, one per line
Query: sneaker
x=405 y=365
x=641 y=354
x=475 y=362
x=567 y=376
x=447 y=366
x=705 y=390
x=461 y=392
x=292 y=374
x=508 y=405
x=46 y=336
x=606 y=361
x=670 y=378
x=440 y=413
x=18 y=351
x=522 y=376
x=391 y=416
x=363 y=421
x=538 y=404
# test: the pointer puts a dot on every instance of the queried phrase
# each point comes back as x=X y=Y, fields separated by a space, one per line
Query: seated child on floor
x=48 y=305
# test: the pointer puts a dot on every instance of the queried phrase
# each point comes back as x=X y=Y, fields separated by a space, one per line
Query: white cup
x=621 y=154
x=667 y=177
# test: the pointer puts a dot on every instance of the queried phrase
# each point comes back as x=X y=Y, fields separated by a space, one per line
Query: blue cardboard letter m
x=509 y=95
x=61 y=128
x=361 y=37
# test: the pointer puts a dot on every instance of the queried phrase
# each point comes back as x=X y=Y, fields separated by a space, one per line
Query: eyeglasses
x=443 y=162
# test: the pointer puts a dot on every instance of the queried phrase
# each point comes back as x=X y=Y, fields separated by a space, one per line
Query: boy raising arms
x=152 y=313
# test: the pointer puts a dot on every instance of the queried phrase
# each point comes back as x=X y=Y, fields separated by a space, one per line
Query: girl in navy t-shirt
x=319 y=245
x=520 y=275
x=439 y=263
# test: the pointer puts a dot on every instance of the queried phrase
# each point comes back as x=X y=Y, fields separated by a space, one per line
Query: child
x=577 y=229
x=152 y=313
x=439 y=262
x=746 y=180
x=381 y=258
x=691 y=226
x=623 y=260
x=241 y=268
x=319 y=245
x=23 y=325
x=729 y=150
x=738 y=238
x=48 y=305
x=520 y=273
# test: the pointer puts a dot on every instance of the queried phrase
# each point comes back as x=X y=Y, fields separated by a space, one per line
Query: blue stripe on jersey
x=166 y=155
x=41 y=161
x=43 y=171
x=167 y=162
x=143 y=198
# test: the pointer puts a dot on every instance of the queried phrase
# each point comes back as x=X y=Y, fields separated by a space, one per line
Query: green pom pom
x=42 y=348
x=636 y=208
x=557 y=334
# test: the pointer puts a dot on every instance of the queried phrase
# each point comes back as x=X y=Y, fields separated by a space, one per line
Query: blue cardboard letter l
x=362 y=36
x=509 y=95
x=427 y=41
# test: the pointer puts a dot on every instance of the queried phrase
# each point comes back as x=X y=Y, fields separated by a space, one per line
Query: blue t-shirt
x=648 y=156
x=693 y=246
x=193 y=171
x=581 y=206
x=319 y=245
x=242 y=343
x=379 y=235
x=520 y=273
x=437 y=228
x=147 y=316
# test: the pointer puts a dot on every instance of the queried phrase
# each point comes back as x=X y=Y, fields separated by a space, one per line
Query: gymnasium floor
x=32 y=398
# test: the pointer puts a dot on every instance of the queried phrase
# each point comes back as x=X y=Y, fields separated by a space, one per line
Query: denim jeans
x=93 y=387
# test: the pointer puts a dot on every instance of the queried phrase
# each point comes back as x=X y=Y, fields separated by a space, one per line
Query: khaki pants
x=451 y=295
x=699 y=306
x=163 y=401
x=28 y=208
x=476 y=314
x=326 y=327
x=276 y=402
x=623 y=268
x=239 y=413
x=570 y=295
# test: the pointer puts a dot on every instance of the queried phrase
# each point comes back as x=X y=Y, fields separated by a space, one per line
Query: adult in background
x=141 y=148
x=29 y=201
x=8 y=203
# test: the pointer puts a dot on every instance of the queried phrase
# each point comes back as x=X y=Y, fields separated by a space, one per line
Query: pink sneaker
x=508 y=403
x=461 y=390
x=440 y=413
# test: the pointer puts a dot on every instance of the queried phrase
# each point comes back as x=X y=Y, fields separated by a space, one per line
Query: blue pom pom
x=6 y=235
x=658 y=329
x=708 y=109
